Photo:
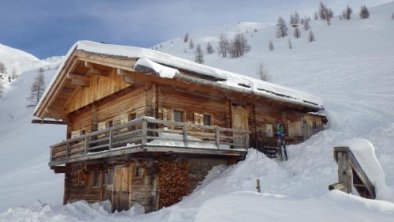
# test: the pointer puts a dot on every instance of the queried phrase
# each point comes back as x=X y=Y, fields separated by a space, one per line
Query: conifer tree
x=290 y=45
x=307 y=26
x=186 y=37
x=297 y=32
x=3 y=70
x=311 y=37
x=199 y=56
x=191 y=44
x=281 y=28
x=263 y=73
x=210 y=48
x=271 y=46
x=364 y=12
x=347 y=13
x=37 y=89
x=239 y=46
x=224 y=45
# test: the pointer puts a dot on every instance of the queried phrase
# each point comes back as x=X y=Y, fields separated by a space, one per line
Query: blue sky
x=49 y=27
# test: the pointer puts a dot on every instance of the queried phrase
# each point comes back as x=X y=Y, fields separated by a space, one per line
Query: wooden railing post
x=185 y=140
x=217 y=137
x=144 y=132
x=85 y=150
x=110 y=140
x=67 y=148
x=246 y=145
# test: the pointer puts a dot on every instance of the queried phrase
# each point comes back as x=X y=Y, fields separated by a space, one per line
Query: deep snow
x=350 y=66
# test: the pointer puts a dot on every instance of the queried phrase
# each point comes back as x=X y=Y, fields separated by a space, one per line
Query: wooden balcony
x=147 y=134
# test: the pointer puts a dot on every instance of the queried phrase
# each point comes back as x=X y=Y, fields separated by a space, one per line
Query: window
x=96 y=178
x=178 y=116
x=109 y=177
x=207 y=119
x=138 y=171
x=109 y=124
x=132 y=116
x=83 y=132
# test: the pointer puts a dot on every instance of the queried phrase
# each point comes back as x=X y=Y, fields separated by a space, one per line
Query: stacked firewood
x=173 y=182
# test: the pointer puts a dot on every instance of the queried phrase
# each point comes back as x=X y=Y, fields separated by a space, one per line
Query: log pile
x=173 y=182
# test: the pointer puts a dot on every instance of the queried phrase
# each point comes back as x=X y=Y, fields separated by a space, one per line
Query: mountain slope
x=24 y=172
x=350 y=67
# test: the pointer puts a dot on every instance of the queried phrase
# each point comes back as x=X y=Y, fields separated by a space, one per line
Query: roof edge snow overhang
x=71 y=58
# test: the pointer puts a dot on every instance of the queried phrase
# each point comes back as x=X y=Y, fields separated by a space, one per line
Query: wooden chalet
x=146 y=127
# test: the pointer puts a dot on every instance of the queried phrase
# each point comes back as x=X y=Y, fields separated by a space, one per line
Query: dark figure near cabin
x=280 y=133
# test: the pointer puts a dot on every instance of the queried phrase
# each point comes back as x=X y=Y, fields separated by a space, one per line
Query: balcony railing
x=149 y=132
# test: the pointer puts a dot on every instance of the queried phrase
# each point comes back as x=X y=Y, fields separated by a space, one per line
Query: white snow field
x=350 y=66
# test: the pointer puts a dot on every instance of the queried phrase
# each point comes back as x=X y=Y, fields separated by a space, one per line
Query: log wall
x=151 y=182
x=99 y=87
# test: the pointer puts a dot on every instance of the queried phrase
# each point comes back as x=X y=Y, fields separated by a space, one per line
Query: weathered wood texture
x=152 y=182
x=133 y=102
x=191 y=104
x=351 y=175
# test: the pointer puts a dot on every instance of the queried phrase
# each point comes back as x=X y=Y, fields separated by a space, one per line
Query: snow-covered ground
x=350 y=66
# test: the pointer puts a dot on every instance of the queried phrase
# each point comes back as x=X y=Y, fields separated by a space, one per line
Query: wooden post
x=110 y=140
x=144 y=131
x=258 y=185
x=217 y=137
x=345 y=175
x=67 y=148
x=85 y=150
x=184 y=130
x=246 y=145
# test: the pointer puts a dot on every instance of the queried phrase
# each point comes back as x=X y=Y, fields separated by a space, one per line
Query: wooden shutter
x=123 y=118
x=75 y=133
x=102 y=125
x=269 y=131
x=198 y=118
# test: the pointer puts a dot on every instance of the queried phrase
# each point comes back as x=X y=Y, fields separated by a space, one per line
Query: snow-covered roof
x=224 y=78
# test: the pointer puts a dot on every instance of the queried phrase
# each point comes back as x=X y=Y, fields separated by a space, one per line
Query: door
x=240 y=118
x=120 y=195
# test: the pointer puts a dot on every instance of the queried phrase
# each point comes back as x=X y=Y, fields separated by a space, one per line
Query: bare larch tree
x=37 y=89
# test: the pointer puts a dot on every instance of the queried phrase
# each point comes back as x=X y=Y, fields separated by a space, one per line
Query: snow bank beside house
x=252 y=206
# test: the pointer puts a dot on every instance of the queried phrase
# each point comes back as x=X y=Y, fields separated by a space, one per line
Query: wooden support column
x=345 y=175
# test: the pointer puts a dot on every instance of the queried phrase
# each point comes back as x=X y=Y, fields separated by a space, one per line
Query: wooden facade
x=134 y=137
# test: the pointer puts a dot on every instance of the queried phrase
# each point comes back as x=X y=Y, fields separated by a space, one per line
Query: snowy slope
x=350 y=66
x=17 y=60
x=24 y=173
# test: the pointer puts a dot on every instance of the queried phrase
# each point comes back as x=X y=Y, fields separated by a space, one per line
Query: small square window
x=178 y=116
x=138 y=171
x=109 y=124
x=96 y=177
x=132 y=116
x=109 y=176
x=207 y=119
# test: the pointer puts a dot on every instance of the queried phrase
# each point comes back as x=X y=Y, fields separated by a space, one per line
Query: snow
x=176 y=140
x=163 y=71
x=350 y=67
x=151 y=58
x=364 y=152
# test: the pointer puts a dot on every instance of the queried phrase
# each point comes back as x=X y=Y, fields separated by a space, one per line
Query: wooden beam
x=78 y=77
x=78 y=82
x=42 y=121
x=121 y=72
x=94 y=71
